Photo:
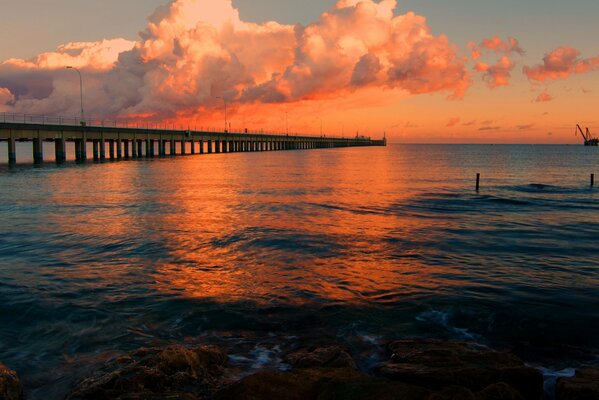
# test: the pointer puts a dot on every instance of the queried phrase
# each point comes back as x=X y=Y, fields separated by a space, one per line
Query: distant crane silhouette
x=589 y=140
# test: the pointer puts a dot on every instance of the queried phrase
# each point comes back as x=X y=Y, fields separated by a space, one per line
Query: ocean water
x=265 y=252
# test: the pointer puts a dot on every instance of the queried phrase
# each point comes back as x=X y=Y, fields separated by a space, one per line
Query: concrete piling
x=60 y=151
x=38 y=151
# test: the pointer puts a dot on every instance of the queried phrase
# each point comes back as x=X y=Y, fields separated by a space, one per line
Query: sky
x=419 y=71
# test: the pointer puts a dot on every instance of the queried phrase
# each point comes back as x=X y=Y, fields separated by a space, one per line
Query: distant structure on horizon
x=589 y=140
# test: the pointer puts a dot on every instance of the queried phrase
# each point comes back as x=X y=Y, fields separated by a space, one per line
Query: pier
x=124 y=142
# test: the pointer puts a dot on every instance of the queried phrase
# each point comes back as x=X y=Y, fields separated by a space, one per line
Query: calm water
x=260 y=252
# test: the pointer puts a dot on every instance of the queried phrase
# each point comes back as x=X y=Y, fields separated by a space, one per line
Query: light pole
x=224 y=101
x=80 y=92
x=287 y=123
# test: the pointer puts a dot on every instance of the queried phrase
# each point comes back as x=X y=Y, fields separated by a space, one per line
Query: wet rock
x=176 y=372
x=319 y=383
x=327 y=357
x=584 y=385
x=499 y=391
x=440 y=363
x=453 y=393
x=10 y=385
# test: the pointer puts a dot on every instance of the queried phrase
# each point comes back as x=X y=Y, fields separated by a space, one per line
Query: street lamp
x=224 y=101
x=81 y=93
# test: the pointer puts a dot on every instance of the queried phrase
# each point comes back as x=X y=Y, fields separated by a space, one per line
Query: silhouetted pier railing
x=129 y=139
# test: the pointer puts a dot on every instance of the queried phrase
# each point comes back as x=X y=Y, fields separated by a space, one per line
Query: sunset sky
x=460 y=71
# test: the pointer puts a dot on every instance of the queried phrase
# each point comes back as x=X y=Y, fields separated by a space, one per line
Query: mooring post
x=477 y=182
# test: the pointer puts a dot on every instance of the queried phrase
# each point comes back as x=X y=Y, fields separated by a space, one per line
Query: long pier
x=133 y=142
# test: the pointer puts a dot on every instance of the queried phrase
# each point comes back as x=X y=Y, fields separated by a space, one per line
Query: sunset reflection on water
x=98 y=259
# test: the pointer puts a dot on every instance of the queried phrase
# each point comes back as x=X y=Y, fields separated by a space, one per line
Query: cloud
x=544 y=97
x=560 y=64
x=497 y=45
x=498 y=74
x=525 y=127
x=195 y=50
x=100 y=55
x=6 y=96
x=453 y=122
x=489 y=128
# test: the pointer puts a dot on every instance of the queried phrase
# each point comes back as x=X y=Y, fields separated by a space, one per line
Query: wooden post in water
x=592 y=180
x=477 y=182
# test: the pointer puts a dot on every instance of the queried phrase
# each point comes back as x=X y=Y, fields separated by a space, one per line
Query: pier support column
x=182 y=147
x=119 y=149
x=162 y=148
x=201 y=143
x=209 y=143
x=96 y=149
x=126 y=148
x=38 y=152
x=60 y=150
x=12 y=151
x=217 y=145
x=134 y=152
x=111 y=148
x=102 y=149
x=193 y=146
x=149 y=148
x=138 y=144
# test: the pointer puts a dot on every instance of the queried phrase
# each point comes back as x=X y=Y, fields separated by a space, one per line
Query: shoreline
x=411 y=369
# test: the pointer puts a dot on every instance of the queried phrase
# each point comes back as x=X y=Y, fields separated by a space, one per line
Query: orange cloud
x=498 y=74
x=100 y=55
x=195 y=50
x=544 y=97
x=6 y=96
x=497 y=45
x=560 y=64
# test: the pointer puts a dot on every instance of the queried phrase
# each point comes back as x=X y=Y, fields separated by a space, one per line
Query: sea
x=264 y=252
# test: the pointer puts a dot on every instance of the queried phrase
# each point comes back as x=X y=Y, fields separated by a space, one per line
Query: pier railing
x=129 y=123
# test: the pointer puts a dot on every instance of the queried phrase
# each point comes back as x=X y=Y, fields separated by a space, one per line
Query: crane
x=589 y=140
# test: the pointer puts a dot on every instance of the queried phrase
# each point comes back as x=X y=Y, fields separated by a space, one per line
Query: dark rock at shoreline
x=327 y=357
x=10 y=385
x=177 y=372
x=319 y=383
x=418 y=370
x=584 y=385
x=438 y=364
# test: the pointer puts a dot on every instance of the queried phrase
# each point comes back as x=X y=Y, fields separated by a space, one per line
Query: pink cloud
x=195 y=50
x=498 y=74
x=560 y=64
x=544 y=97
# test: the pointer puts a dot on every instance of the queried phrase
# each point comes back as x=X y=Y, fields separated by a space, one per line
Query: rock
x=453 y=393
x=327 y=357
x=10 y=385
x=321 y=384
x=177 y=372
x=440 y=363
x=499 y=391
x=584 y=385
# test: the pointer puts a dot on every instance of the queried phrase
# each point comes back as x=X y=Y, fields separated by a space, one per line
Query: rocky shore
x=414 y=369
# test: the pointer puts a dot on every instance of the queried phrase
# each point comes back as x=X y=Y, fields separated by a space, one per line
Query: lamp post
x=224 y=101
x=80 y=92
